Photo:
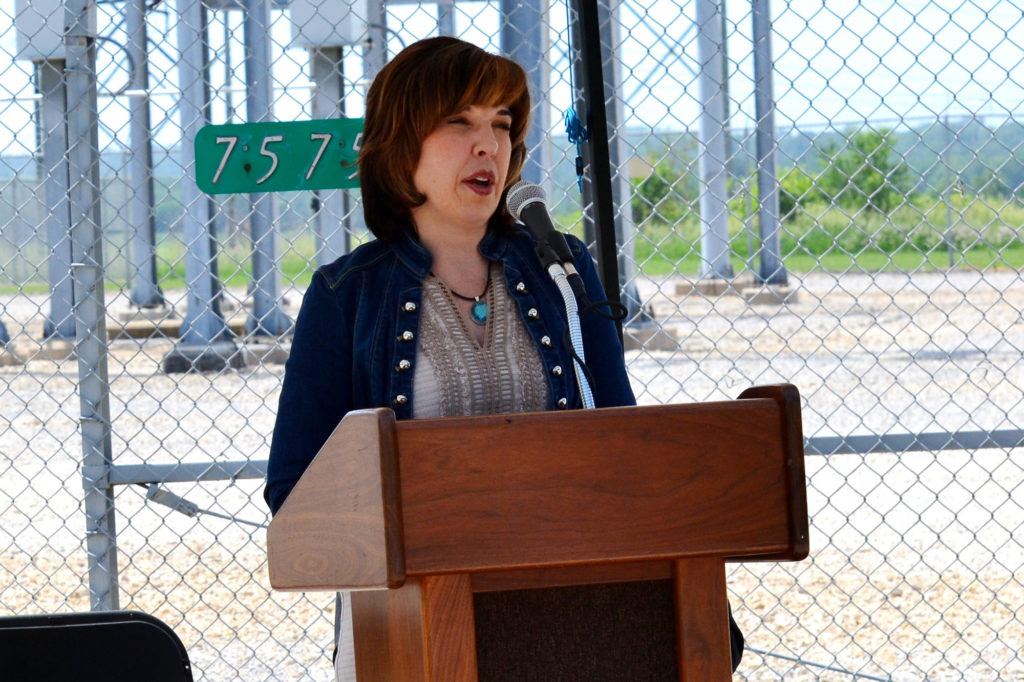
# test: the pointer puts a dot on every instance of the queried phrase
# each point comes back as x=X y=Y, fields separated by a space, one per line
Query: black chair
x=126 y=646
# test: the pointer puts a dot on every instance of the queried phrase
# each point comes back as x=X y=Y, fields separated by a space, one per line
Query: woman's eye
x=503 y=125
x=457 y=121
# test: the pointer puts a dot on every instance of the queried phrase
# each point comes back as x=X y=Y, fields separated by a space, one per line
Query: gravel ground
x=916 y=571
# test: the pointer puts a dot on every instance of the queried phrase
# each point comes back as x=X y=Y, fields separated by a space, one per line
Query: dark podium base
x=587 y=633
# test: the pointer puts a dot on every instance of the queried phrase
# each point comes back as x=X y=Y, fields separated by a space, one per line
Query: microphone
x=527 y=203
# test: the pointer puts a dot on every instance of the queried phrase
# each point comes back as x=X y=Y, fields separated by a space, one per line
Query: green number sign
x=278 y=157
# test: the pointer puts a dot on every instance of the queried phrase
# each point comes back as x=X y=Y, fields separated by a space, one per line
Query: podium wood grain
x=420 y=633
x=449 y=507
x=341 y=525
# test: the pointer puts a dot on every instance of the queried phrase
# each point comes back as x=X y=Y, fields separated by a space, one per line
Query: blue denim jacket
x=355 y=342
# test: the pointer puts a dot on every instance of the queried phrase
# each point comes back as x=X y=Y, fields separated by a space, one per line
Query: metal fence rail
x=830 y=195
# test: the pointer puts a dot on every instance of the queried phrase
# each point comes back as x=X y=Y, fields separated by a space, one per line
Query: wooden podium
x=420 y=515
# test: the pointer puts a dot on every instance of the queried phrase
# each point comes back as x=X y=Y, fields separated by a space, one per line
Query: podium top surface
x=384 y=499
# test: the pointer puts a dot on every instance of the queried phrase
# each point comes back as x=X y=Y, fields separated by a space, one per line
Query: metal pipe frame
x=90 y=307
x=939 y=441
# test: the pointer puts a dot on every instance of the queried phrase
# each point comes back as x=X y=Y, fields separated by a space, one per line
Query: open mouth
x=482 y=183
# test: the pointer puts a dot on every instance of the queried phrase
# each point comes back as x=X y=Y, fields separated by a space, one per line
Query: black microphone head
x=522 y=194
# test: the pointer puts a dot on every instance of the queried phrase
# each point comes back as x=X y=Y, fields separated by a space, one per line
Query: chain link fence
x=885 y=284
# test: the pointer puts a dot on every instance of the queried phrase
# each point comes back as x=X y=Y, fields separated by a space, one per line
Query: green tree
x=866 y=173
x=667 y=194
x=796 y=190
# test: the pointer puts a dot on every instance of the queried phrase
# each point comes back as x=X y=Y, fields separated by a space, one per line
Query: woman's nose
x=486 y=142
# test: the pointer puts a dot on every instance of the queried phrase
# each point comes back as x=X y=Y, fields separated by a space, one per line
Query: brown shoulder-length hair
x=412 y=94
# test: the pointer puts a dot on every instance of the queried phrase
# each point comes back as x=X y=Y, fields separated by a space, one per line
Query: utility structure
x=40 y=33
x=205 y=342
x=145 y=291
x=40 y=39
x=710 y=18
x=326 y=29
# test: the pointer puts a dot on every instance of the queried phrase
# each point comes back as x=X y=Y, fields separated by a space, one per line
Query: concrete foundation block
x=267 y=353
x=198 y=358
x=649 y=337
x=770 y=294
x=713 y=286
x=10 y=357
x=55 y=349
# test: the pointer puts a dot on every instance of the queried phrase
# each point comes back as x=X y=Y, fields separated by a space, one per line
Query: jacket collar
x=415 y=256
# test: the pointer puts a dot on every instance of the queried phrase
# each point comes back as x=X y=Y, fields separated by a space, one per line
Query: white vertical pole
x=714 y=200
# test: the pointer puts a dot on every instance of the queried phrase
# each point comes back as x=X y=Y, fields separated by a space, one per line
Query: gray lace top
x=456 y=376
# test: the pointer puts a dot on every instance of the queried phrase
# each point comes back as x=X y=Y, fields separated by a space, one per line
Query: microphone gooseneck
x=527 y=203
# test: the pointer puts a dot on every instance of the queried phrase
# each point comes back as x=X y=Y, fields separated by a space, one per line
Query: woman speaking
x=448 y=312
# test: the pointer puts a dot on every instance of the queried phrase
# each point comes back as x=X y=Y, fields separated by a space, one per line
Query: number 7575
x=324 y=140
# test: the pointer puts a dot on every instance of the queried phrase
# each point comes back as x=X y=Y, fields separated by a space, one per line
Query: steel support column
x=53 y=117
x=205 y=341
x=712 y=162
x=523 y=38
x=771 y=270
x=145 y=292
x=267 y=317
x=332 y=215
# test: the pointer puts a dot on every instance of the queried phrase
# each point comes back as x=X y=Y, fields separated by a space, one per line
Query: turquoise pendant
x=478 y=312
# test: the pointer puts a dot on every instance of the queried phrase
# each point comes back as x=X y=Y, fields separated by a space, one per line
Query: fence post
x=90 y=307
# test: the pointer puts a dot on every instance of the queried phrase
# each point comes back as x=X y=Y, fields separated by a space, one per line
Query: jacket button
x=409 y=307
x=520 y=288
x=557 y=370
x=545 y=341
x=401 y=399
x=533 y=313
x=407 y=336
x=562 y=403
x=404 y=365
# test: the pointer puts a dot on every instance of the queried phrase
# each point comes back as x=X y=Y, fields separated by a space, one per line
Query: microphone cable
x=573 y=337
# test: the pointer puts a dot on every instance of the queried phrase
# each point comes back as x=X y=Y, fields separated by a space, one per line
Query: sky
x=837 y=63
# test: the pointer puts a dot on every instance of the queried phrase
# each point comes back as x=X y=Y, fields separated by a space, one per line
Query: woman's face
x=462 y=168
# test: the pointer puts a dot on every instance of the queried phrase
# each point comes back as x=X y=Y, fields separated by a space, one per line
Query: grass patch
x=684 y=259
x=983 y=233
x=297 y=256
x=986 y=234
